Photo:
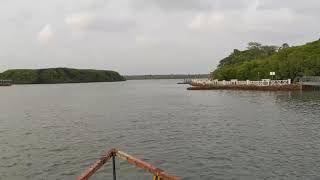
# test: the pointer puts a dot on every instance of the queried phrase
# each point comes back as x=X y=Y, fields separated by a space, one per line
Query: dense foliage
x=257 y=62
x=255 y=51
x=59 y=75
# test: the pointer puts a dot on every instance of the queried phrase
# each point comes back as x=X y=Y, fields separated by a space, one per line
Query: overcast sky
x=146 y=36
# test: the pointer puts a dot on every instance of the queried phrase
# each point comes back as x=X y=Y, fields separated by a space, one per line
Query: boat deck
x=158 y=174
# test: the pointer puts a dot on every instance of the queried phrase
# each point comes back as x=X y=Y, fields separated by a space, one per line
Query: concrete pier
x=234 y=84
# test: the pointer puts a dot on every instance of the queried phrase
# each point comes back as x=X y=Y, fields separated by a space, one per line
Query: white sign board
x=272 y=73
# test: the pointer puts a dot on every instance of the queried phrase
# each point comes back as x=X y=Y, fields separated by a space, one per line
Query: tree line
x=60 y=75
x=257 y=61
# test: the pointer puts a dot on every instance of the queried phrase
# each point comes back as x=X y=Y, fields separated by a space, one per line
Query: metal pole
x=114 y=167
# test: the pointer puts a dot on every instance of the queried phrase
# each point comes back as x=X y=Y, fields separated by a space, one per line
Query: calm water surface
x=56 y=131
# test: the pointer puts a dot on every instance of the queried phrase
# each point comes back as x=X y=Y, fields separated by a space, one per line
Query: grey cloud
x=304 y=7
x=172 y=5
x=89 y=5
x=89 y=22
x=112 y=25
x=191 y=5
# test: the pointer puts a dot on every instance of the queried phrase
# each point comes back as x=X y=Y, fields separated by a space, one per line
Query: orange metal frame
x=158 y=174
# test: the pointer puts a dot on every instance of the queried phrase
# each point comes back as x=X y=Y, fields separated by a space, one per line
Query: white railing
x=279 y=82
x=241 y=82
x=256 y=83
x=263 y=82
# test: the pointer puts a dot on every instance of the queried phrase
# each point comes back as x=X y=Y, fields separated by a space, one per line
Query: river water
x=57 y=131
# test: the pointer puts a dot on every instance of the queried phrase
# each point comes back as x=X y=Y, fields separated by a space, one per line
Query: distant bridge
x=310 y=80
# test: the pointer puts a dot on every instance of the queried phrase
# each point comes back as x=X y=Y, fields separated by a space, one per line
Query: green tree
x=254 y=45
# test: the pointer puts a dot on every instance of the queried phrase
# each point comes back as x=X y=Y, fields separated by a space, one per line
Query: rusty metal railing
x=158 y=174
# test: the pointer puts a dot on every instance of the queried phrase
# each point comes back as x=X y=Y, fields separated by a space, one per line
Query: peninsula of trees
x=60 y=75
x=257 y=61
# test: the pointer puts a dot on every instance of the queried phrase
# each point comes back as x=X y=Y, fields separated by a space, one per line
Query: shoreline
x=291 y=87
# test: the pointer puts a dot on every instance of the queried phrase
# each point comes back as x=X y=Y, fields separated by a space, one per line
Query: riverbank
x=291 y=87
x=166 y=76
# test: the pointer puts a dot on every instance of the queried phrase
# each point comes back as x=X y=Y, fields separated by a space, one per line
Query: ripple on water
x=59 y=149
x=9 y=165
x=197 y=135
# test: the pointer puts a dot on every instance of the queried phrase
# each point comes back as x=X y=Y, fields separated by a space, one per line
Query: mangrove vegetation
x=60 y=75
x=257 y=61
